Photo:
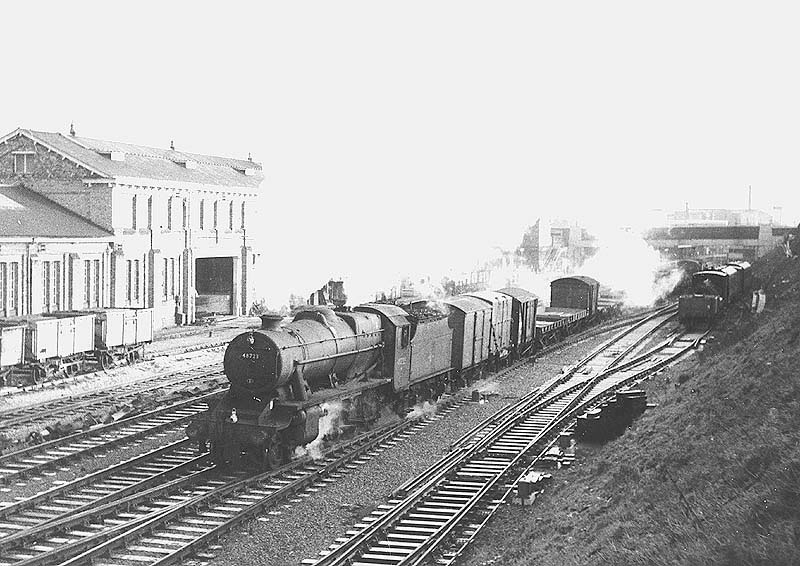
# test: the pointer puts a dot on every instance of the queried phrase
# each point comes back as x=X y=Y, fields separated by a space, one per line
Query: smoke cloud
x=329 y=425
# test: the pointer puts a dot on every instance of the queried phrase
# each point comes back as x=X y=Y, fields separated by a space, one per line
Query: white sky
x=395 y=126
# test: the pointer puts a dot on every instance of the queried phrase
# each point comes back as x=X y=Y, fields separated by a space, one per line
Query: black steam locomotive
x=713 y=289
x=370 y=358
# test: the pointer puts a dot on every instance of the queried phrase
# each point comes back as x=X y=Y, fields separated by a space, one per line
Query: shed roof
x=25 y=213
x=148 y=162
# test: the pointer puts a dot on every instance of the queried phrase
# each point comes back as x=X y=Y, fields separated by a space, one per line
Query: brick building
x=139 y=226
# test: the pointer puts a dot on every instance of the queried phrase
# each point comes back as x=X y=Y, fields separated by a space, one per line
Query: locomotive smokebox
x=271 y=321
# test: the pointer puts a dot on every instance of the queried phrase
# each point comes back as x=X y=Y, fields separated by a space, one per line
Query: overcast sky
x=430 y=119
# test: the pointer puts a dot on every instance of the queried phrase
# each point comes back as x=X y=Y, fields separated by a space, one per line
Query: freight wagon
x=67 y=343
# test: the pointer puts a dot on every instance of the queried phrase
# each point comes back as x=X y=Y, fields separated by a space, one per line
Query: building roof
x=25 y=213
x=148 y=162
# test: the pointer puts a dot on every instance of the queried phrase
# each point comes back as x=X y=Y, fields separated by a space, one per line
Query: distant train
x=370 y=358
x=712 y=290
x=37 y=348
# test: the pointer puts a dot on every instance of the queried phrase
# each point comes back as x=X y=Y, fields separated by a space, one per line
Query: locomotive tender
x=369 y=358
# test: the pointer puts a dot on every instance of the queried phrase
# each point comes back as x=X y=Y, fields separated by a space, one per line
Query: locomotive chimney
x=271 y=321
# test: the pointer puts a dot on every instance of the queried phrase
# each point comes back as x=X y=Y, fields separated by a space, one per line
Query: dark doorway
x=214 y=284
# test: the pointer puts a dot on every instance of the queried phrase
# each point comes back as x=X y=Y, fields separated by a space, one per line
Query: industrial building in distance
x=716 y=235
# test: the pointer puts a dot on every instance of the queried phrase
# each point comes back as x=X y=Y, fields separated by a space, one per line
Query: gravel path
x=301 y=530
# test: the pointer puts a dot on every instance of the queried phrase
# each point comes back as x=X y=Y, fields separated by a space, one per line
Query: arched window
x=202 y=212
x=230 y=216
x=243 y=217
x=216 y=210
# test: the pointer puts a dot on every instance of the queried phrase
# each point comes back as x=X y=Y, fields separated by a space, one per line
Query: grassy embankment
x=710 y=476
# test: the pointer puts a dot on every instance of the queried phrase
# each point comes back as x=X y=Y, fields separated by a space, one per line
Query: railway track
x=165 y=523
x=48 y=411
x=26 y=517
x=55 y=453
x=431 y=519
x=88 y=401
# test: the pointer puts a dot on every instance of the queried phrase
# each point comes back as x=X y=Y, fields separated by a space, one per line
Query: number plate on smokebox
x=251 y=355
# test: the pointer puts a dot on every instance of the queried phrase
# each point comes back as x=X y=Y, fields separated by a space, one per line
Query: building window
x=23 y=160
x=46 y=286
x=97 y=286
x=87 y=283
x=202 y=212
x=169 y=213
x=230 y=216
x=56 y=285
x=185 y=214
x=216 y=209
x=243 y=210
x=3 y=289
x=172 y=275
x=165 y=281
x=129 y=281
x=133 y=212
x=136 y=280
x=13 y=307
x=9 y=280
x=150 y=213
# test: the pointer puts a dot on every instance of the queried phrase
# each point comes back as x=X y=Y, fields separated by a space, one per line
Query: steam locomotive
x=372 y=358
x=713 y=289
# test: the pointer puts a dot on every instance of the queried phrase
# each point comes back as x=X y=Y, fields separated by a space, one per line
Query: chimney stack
x=271 y=321
x=72 y=129
x=172 y=145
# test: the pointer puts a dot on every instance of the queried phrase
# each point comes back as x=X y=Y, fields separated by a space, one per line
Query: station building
x=87 y=223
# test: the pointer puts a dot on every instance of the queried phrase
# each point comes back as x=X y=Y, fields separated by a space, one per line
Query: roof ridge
x=163 y=153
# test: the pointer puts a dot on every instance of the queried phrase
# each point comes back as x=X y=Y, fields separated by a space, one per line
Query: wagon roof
x=467 y=304
x=491 y=296
x=581 y=278
x=519 y=294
